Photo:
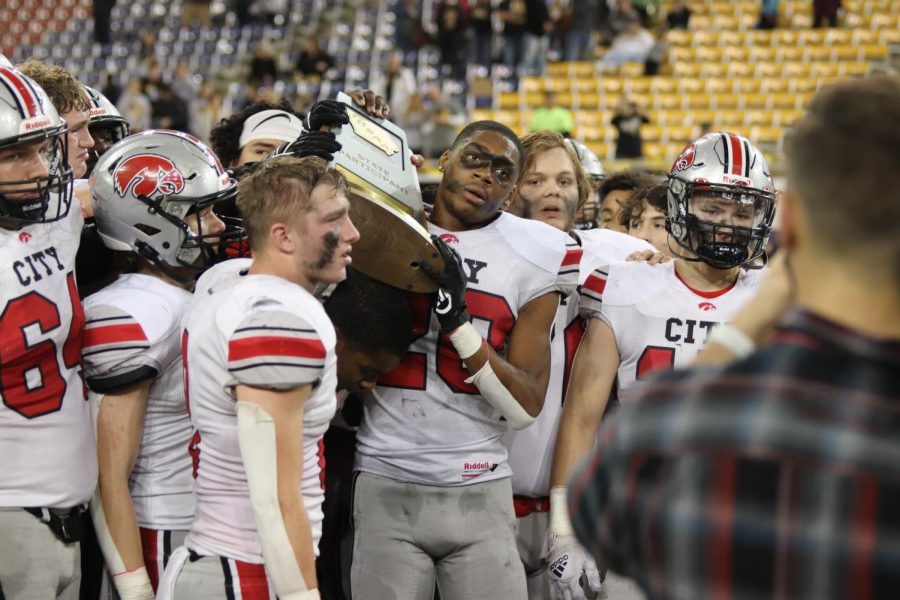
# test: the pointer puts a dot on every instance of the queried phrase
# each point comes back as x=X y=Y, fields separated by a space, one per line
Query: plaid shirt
x=775 y=477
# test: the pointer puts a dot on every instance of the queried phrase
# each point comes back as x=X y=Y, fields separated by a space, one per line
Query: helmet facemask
x=40 y=199
x=725 y=226
x=105 y=134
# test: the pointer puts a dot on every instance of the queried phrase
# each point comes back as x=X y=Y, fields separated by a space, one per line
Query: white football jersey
x=265 y=332
x=424 y=423
x=46 y=435
x=659 y=322
x=531 y=449
x=132 y=333
x=221 y=276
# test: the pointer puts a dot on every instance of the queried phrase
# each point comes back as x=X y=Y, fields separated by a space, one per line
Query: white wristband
x=134 y=585
x=560 y=524
x=738 y=343
x=493 y=390
x=312 y=594
x=466 y=340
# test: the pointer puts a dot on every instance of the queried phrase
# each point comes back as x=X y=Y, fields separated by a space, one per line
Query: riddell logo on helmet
x=734 y=180
x=706 y=306
x=449 y=238
x=98 y=112
x=35 y=123
x=146 y=175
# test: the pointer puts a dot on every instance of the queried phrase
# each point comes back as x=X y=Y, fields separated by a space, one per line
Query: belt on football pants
x=65 y=523
x=525 y=505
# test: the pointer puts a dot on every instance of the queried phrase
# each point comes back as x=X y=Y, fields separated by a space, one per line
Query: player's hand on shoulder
x=573 y=573
x=650 y=257
x=450 y=306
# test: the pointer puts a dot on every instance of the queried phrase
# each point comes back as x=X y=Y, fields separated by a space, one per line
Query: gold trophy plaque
x=385 y=202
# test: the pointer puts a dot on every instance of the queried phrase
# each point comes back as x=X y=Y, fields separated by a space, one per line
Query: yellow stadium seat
x=584 y=85
x=789 y=53
x=631 y=69
x=729 y=117
x=846 y=53
x=773 y=85
x=689 y=86
x=601 y=149
x=762 y=53
x=678 y=37
x=558 y=69
x=680 y=134
x=889 y=36
x=875 y=51
x=783 y=100
x=480 y=114
x=756 y=100
x=609 y=85
x=729 y=100
x=765 y=134
x=651 y=132
x=582 y=69
x=638 y=85
x=532 y=84
x=588 y=100
x=715 y=70
x=509 y=100
x=663 y=85
x=852 y=69
x=838 y=37
x=758 y=117
x=558 y=84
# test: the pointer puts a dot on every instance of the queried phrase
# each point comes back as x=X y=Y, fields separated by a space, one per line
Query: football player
x=586 y=215
x=614 y=191
x=551 y=189
x=48 y=447
x=106 y=125
x=432 y=497
x=153 y=196
x=644 y=216
x=643 y=318
x=261 y=375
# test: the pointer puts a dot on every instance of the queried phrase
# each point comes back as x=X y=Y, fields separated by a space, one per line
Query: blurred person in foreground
x=776 y=474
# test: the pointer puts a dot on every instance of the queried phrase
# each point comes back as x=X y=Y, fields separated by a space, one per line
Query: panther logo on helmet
x=685 y=160
x=146 y=174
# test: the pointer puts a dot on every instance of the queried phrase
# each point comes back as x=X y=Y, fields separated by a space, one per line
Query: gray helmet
x=145 y=185
x=107 y=125
x=26 y=117
x=589 y=161
x=728 y=168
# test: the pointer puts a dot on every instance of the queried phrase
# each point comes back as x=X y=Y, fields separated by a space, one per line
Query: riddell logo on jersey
x=707 y=306
x=474 y=469
x=24 y=237
x=449 y=238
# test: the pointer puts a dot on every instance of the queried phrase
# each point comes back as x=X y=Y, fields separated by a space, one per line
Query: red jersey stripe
x=253 y=347
x=113 y=334
x=865 y=511
x=720 y=547
x=252 y=579
x=572 y=257
x=150 y=548
x=595 y=283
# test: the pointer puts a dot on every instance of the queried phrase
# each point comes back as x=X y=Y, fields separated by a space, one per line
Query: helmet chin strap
x=180 y=274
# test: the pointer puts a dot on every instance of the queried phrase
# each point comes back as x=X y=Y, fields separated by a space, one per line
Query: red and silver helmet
x=27 y=117
x=107 y=125
x=5 y=62
x=143 y=188
x=721 y=201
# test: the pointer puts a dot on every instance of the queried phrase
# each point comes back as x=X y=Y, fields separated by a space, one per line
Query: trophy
x=385 y=202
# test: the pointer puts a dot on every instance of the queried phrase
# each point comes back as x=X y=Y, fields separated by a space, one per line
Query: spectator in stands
x=620 y=16
x=768 y=14
x=577 y=40
x=396 y=84
x=514 y=15
x=169 y=111
x=628 y=120
x=632 y=45
x=135 y=106
x=680 y=15
x=407 y=26
x=263 y=68
x=313 y=61
x=206 y=111
x=826 y=11
x=657 y=53
x=183 y=84
x=537 y=30
x=551 y=116
x=110 y=88
x=195 y=9
x=483 y=30
x=153 y=78
x=452 y=35
x=102 y=14
x=445 y=117
x=615 y=190
x=647 y=10
x=413 y=123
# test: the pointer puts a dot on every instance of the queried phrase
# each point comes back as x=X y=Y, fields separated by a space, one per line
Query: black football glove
x=326 y=112
x=311 y=143
x=450 y=307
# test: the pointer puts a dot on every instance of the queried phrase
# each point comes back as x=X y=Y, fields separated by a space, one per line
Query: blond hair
x=64 y=91
x=278 y=190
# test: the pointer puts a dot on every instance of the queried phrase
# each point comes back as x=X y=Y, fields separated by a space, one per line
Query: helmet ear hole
x=146 y=229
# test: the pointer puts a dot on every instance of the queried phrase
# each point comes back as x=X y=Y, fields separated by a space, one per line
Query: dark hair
x=370 y=315
x=225 y=136
x=471 y=129
x=843 y=158
x=655 y=194
x=623 y=180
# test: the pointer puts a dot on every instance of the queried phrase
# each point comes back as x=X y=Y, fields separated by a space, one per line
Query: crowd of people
x=202 y=398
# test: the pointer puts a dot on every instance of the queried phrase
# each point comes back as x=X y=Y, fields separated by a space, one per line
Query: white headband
x=271 y=125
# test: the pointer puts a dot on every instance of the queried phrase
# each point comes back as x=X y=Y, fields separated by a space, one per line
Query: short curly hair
x=64 y=91
x=225 y=136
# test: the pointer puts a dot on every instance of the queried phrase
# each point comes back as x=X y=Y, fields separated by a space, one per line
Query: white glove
x=573 y=573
